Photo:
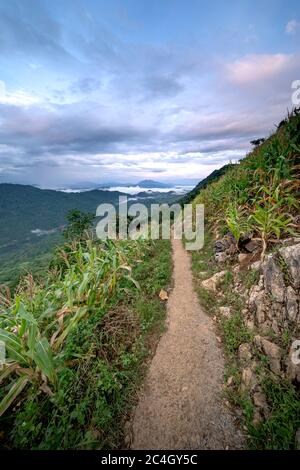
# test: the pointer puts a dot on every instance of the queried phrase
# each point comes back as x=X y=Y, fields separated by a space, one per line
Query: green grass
x=278 y=431
x=235 y=333
x=33 y=257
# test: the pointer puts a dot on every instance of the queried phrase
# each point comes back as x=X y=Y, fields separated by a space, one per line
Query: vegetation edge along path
x=181 y=405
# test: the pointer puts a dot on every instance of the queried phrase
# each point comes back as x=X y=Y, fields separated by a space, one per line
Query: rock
x=250 y=325
x=244 y=239
x=211 y=283
x=297 y=440
x=236 y=269
x=257 y=303
x=297 y=219
x=225 y=311
x=254 y=291
x=243 y=257
x=224 y=243
x=293 y=362
x=291 y=256
x=247 y=376
x=251 y=246
x=274 y=327
x=229 y=381
x=288 y=241
x=291 y=304
x=261 y=282
x=272 y=351
x=257 y=418
x=221 y=257
x=163 y=295
x=273 y=280
x=256 y=266
x=259 y=400
x=219 y=246
x=244 y=352
x=232 y=249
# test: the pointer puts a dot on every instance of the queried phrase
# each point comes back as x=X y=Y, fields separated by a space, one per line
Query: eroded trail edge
x=181 y=406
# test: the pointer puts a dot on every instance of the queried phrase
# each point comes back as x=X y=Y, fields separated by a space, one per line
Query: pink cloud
x=258 y=67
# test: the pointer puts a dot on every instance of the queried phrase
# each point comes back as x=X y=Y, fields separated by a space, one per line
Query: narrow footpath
x=181 y=404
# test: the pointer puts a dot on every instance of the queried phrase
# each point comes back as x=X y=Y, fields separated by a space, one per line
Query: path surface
x=180 y=406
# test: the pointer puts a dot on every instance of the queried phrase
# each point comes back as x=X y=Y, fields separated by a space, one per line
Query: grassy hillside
x=76 y=344
x=215 y=175
x=255 y=201
x=261 y=194
x=24 y=209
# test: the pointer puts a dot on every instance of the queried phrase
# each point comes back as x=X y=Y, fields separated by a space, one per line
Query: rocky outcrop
x=273 y=280
x=272 y=313
x=293 y=362
x=227 y=248
x=273 y=303
x=291 y=256
x=272 y=351
x=244 y=353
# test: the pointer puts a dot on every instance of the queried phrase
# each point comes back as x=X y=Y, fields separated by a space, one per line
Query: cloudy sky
x=92 y=90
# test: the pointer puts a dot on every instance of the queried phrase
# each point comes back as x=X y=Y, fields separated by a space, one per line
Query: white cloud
x=258 y=67
x=17 y=98
x=292 y=27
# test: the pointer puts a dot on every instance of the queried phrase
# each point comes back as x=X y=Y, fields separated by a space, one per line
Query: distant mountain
x=32 y=220
x=145 y=184
x=152 y=184
x=26 y=208
x=83 y=185
x=26 y=211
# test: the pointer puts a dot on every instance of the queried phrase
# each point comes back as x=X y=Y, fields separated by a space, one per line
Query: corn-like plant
x=86 y=282
x=269 y=222
x=236 y=222
x=29 y=355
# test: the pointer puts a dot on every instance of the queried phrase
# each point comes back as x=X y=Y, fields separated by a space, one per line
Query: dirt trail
x=180 y=405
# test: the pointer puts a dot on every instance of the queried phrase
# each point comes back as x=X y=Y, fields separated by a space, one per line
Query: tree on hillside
x=78 y=223
x=257 y=142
